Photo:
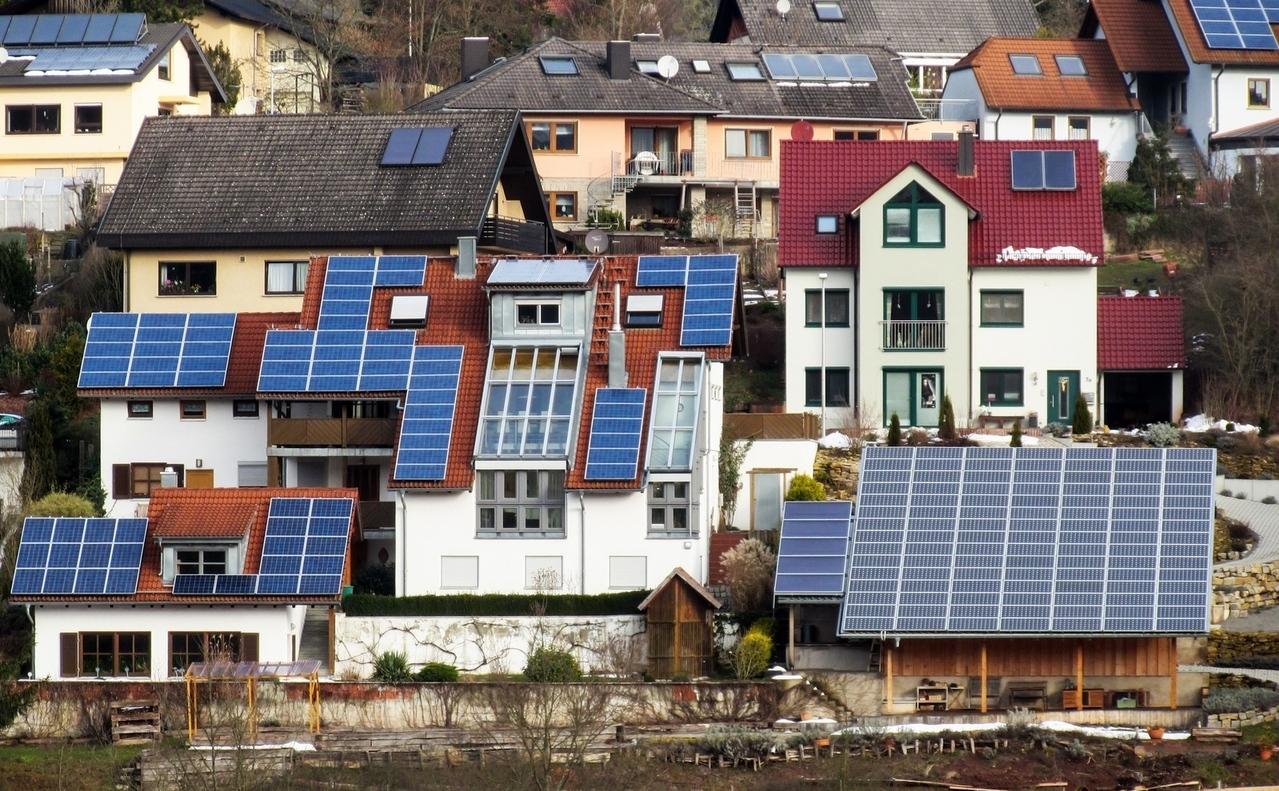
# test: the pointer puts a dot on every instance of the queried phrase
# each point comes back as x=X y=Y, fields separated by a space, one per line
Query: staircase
x=820 y=690
x=746 y=210
x=315 y=638
x=1184 y=150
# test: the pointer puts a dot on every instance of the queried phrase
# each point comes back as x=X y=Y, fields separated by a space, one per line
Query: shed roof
x=1140 y=333
x=679 y=573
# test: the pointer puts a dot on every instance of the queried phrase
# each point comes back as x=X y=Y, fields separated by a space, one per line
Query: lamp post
x=822 y=277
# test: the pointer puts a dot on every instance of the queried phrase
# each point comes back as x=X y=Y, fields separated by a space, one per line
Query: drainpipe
x=400 y=533
x=1216 y=104
x=998 y=116
x=581 y=544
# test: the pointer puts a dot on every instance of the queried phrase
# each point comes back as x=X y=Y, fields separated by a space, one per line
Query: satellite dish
x=597 y=241
x=667 y=66
x=783 y=7
x=801 y=130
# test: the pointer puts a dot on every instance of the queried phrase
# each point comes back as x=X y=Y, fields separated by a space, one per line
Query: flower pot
x=1155 y=733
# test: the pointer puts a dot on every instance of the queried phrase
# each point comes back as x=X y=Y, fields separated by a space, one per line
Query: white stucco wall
x=804 y=344
x=276 y=628
x=219 y=441
x=795 y=456
x=1115 y=133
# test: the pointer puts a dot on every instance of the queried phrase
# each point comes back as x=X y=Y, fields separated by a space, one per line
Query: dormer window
x=644 y=310
x=198 y=556
x=537 y=314
x=201 y=561
x=914 y=218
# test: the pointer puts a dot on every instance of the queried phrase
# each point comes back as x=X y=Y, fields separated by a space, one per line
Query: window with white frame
x=200 y=560
x=1079 y=126
x=521 y=502
x=668 y=509
x=529 y=401
x=533 y=314
x=675 y=409
x=1041 y=127
x=286 y=277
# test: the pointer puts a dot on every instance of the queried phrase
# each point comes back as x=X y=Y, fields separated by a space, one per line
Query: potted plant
x=1155 y=732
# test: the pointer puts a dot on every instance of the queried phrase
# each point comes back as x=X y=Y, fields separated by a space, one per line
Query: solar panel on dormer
x=708 y=300
x=616 y=427
x=90 y=557
x=426 y=429
x=813 y=549
x=157 y=350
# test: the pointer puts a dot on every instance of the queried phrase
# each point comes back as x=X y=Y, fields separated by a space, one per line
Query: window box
x=186 y=278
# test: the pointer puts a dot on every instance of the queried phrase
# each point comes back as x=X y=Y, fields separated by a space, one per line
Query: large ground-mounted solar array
x=303 y=553
x=616 y=427
x=1237 y=24
x=157 y=350
x=90 y=557
x=813 y=550
x=955 y=540
x=426 y=430
x=710 y=291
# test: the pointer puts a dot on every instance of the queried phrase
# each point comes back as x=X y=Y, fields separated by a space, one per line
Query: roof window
x=646 y=66
x=1071 y=66
x=408 y=310
x=1043 y=170
x=644 y=310
x=744 y=70
x=1025 y=64
x=828 y=11
x=702 y=66
x=558 y=64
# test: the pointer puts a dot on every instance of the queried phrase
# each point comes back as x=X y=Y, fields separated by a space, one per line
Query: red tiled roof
x=1140 y=36
x=1184 y=17
x=1102 y=89
x=197 y=520
x=836 y=177
x=1140 y=334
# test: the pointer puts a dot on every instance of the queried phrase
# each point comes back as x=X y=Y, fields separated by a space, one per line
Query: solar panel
x=99 y=28
x=1059 y=170
x=1028 y=170
x=46 y=29
x=426 y=429
x=400 y=146
x=708 y=300
x=194 y=584
x=432 y=146
x=73 y=29
x=90 y=58
x=813 y=549
x=91 y=557
x=157 y=350
x=1043 y=170
x=829 y=67
x=20 y=30
x=1032 y=540
x=542 y=271
x=128 y=28
x=616 y=425
x=661 y=271
x=1237 y=24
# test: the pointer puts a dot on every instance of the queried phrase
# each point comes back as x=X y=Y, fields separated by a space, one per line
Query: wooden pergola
x=251 y=673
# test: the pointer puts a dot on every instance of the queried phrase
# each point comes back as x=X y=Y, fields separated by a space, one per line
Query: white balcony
x=912 y=336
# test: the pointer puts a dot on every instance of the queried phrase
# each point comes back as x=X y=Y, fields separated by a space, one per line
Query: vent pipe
x=466 y=257
x=619 y=60
x=964 y=165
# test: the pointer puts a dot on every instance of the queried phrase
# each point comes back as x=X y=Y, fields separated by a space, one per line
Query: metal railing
x=510 y=233
x=659 y=163
x=948 y=109
x=337 y=432
x=13 y=437
x=912 y=336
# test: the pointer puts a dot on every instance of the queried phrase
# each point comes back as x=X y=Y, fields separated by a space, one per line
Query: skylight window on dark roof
x=828 y=11
x=702 y=66
x=417 y=145
x=558 y=64
x=744 y=70
x=1043 y=170
x=1071 y=66
x=1025 y=64
x=646 y=66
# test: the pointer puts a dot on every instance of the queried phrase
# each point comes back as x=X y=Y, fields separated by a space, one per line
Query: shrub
x=1163 y=435
x=391 y=667
x=437 y=671
x=62 y=504
x=378 y=580
x=917 y=437
x=946 y=425
x=1269 y=499
x=754 y=651
x=736 y=741
x=894 y=431
x=552 y=666
x=748 y=570
x=1221 y=701
x=805 y=487
x=625 y=603
x=1124 y=197
x=1241 y=496
x=1081 y=421
x=1226 y=493
x=1015 y=442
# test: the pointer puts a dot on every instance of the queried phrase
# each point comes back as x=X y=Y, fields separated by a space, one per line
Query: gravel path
x=1264 y=521
x=1261 y=675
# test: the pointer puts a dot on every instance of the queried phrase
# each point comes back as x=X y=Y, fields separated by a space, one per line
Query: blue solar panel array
x=90 y=58
x=1031 y=540
x=616 y=426
x=91 y=557
x=813 y=549
x=417 y=145
x=1043 y=170
x=426 y=429
x=710 y=291
x=157 y=350
x=1237 y=24
x=303 y=553
x=45 y=30
x=662 y=271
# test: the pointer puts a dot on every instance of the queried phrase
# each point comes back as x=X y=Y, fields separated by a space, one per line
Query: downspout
x=998 y=116
x=581 y=544
x=401 y=532
x=1216 y=106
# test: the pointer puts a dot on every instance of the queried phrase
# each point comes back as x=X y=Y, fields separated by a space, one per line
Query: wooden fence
x=768 y=425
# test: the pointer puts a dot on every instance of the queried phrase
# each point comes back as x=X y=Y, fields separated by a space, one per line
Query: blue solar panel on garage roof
x=661 y=271
x=1031 y=540
x=19 y=32
x=90 y=58
x=616 y=427
x=708 y=300
x=1237 y=24
x=91 y=557
x=426 y=429
x=157 y=350
x=813 y=549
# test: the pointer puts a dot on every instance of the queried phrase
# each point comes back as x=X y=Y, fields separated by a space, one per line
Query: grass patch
x=1120 y=274
x=68 y=766
x=1264 y=733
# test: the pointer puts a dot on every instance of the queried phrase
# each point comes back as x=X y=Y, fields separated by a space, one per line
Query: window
x=187 y=648
x=192 y=410
x=836 y=307
x=702 y=66
x=408 y=310
x=529 y=400
x=537 y=313
x=244 y=407
x=521 y=502
x=459 y=571
x=164 y=66
x=286 y=277
x=556 y=137
x=109 y=654
x=181 y=278
x=827 y=223
x=646 y=66
x=644 y=310
x=828 y=11
x=251 y=474
x=747 y=143
x=135 y=481
x=1041 y=127
x=88 y=119
x=1025 y=64
x=856 y=134
x=836 y=387
x=33 y=119
x=201 y=561
x=141 y=409
x=914 y=218
x=1259 y=93
x=628 y=572
x=668 y=509
x=676 y=401
x=558 y=64
x=279 y=55
x=543 y=572
x=563 y=205
x=298 y=56
x=748 y=70
x=1002 y=308
x=1071 y=66
x=1001 y=386
x=1080 y=127
x=97 y=654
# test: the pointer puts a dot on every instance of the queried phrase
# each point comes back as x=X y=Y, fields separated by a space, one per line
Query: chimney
x=964 y=165
x=617 y=343
x=619 y=60
x=647 y=38
x=475 y=56
x=466 y=257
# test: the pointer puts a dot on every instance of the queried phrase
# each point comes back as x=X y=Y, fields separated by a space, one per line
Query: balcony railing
x=377 y=515
x=948 y=109
x=913 y=336
x=337 y=432
x=510 y=233
x=660 y=163
x=13 y=437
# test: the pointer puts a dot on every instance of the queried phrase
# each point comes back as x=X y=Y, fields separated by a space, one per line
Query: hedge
x=626 y=603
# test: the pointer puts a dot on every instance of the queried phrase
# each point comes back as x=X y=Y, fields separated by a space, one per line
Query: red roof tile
x=1140 y=36
x=835 y=177
x=197 y=520
x=1102 y=89
x=1140 y=334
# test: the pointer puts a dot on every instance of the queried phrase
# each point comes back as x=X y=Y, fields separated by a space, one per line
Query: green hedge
x=496 y=604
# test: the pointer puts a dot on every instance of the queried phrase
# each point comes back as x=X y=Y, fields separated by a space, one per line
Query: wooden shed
x=678 y=618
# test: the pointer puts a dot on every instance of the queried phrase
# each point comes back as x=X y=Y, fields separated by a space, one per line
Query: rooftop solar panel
x=400 y=146
x=73 y=29
x=20 y=30
x=542 y=271
x=813 y=549
x=157 y=350
x=432 y=145
x=661 y=271
x=1237 y=24
x=426 y=430
x=78 y=557
x=128 y=28
x=709 y=297
x=46 y=29
x=99 y=28
x=616 y=427
x=4 y=28
x=90 y=58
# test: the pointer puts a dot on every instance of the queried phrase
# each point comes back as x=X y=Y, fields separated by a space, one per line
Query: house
x=1141 y=359
x=1206 y=76
x=223 y=214
x=979 y=578
x=610 y=134
x=76 y=89
x=205 y=574
x=928 y=42
x=942 y=268
x=1047 y=89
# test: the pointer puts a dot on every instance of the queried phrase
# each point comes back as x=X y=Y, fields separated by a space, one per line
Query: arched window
x=914 y=218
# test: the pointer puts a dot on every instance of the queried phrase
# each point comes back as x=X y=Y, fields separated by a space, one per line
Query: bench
x=1031 y=694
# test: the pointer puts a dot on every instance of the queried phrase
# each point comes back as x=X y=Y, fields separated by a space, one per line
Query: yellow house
x=280 y=70
x=661 y=132
x=76 y=89
x=224 y=214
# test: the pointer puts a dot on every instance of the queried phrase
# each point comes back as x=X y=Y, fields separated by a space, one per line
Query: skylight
x=1025 y=64
x=675 y=408
x=529 y=401
x=1071 y=66
x=558 y=64
x=1043 y=170
x=819 y=68
x=702 y=66
x=744 y=70
x=828 y=11
x=646 y=66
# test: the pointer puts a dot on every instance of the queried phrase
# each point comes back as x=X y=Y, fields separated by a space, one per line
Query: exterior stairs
x=1184 y=150
x=821 y=691
x=315 y=638
x=746 y=210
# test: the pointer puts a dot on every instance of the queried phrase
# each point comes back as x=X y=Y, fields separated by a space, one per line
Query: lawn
x=72 y=767
x=1121 y=274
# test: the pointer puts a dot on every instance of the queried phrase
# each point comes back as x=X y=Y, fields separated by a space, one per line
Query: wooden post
x=888 y=678
x=790 y=646
x=983 y=677
x=1079 y=675
x=677 y=665
x=1172 y=673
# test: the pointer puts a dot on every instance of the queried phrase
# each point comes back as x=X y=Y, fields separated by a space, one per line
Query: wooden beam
x=983 y=677
x=1079 y=675
x=888 y=678
x=1172 y=673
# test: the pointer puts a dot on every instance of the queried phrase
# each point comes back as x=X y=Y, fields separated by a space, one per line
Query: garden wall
x=1225 y=647
x=1240 y=590
x=1240 y=719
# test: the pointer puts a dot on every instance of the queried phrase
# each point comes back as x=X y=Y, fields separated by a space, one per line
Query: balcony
x=659 y=163
x=515 y=235
x=947 y=109
x=337 y=432
x=912 y=336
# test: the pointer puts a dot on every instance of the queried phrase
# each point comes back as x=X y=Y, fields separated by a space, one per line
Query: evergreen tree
x=894 y=431
x=1081 y=423
x=17 y=279
x=39 y=471
x=1016 y=440
x=946 y=427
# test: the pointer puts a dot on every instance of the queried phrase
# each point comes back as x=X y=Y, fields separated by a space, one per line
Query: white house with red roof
x=917 y=270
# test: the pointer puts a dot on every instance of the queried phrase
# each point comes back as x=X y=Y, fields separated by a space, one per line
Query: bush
x=1241 y=496
x=437 y=672
x=946 y=426
x=552 y=666
x=392 y=668
x=377 y=580
x=894 y=431
x=1221 y=701
x=626 y=603
x=1015 y=442
x=62 y=504
x=1163 y=435
x=1269 y=499
x=1081 y=421
x=748 y=571
x=1124 y=197
x=917 y=437
x=804 y=487
x=754 y=651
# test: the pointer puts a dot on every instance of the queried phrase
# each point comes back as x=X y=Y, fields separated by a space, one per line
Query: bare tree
x=330 y=33
x=550 y=724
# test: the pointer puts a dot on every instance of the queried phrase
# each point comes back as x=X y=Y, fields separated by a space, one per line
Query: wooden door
x=200 y=479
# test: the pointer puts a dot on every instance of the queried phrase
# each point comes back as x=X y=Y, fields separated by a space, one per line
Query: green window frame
x=902 y=215
x=838 y=307
x=1007 y=385
x=996 y=301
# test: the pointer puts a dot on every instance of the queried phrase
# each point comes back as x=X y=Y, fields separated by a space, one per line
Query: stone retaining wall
x=1237 y=720
x=1225 y=647
x=1241 y=590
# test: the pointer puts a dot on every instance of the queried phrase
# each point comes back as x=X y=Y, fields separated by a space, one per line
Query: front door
x=1063 y=389
x=914 y=396
x=766 y=500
